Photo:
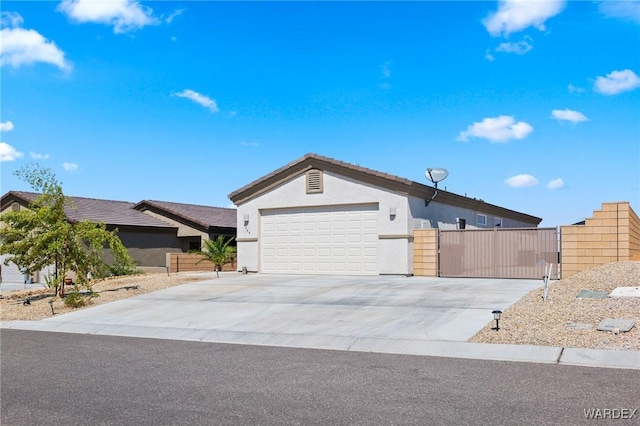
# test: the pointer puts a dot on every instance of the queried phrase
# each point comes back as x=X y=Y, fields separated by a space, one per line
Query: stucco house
x=318 y=215
x=148 y=229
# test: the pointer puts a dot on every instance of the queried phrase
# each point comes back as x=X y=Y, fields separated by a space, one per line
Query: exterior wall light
x=496 y=316
x=246 y=219
x=392 y=212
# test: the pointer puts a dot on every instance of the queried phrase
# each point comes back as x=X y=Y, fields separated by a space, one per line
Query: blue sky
x=534 y=106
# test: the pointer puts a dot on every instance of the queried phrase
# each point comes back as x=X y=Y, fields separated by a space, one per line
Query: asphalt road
x=75 y=379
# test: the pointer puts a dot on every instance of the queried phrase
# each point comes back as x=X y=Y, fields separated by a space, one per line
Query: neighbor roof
x=373 y=177
x=204 y=216
x=117 y=213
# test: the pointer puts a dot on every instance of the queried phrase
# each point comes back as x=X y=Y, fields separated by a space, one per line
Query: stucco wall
x=149 y=249
x=393 y=252
x=443 y=216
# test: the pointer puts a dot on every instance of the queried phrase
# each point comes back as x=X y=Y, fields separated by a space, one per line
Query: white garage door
x=331 y=240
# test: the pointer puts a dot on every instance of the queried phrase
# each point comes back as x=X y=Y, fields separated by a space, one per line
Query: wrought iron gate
x=499 y=253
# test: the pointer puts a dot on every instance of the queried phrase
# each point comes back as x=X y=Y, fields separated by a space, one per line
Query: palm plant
x=218 y=251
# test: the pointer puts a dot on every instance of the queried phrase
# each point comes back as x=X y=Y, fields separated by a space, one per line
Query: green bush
x=75 y=299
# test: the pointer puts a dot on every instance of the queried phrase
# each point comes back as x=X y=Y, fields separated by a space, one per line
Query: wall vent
x=314 y=181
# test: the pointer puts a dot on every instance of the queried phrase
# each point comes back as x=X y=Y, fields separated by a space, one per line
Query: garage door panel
x=320 y=241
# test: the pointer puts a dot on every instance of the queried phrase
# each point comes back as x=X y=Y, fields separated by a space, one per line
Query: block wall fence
x=425 y=252
x=612 y=234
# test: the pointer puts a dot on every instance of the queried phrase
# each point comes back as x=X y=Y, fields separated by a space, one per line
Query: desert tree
x=42 y=235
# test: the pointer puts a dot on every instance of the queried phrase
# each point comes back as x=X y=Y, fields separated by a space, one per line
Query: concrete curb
x=439 y=348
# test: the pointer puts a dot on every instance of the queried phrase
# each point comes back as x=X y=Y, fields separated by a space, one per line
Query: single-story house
x=318 y=215
x=195 y=223
x=148 y=229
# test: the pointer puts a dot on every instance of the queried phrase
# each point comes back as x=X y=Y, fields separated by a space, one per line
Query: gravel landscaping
x=530 y=321
x=533 y=321
x=109 y=290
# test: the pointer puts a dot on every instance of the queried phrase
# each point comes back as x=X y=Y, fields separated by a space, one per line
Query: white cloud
x=19 y=46
x=6 y=126
x=617 y=82
x=9 y=153
x=519 y=181
x=488 y=56
x=169 y=19
x=499 y=129
x=516 y=15
x=386 y=70
x=568 y=115
x=37 y=156
x=249 y=143
x=629 y=10
x=555 y=184
x=574 y=89
x=70 y=167
x=124 y=15
x=519 y=48
x=198 y=98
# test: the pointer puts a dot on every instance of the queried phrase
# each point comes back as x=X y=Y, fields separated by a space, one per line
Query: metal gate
x=499 y=253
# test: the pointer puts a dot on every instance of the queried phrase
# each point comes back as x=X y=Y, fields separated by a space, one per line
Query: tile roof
x=384 y=180
x=205 y=216
x=108 y=211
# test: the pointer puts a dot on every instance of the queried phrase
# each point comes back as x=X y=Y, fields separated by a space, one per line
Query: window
x=499 y=222
x=314 y=181
x=15 y=207
x=481 y=219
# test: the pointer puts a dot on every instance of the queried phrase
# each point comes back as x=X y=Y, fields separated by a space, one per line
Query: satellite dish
x=436 y=175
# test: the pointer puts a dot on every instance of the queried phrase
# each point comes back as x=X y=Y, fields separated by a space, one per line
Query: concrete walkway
x=401 y=315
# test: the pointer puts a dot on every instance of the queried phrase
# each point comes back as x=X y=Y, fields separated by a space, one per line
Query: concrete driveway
x=382 y=313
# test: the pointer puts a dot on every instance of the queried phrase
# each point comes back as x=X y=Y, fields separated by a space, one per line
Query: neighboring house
x=195 y=223
x=149 y=229
x=318 y=215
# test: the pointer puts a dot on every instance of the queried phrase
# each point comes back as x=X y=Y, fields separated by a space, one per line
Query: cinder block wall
x=188 y=262
x=425 y=252
x=611 y=235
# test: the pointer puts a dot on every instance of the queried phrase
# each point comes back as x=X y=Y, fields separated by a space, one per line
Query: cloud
x=574 y=89
x=386 y=70
x=37 y=156
x=519 y=181
x=555 y=184
x=499 y=129
x=198 y=98
x=629 y=10
x=617 y=82
x=70 y=167
x=516 y=15
x=9 y=153
x=19 y=46
x=519 y=48
x=169 y=19
x=124 y=15
x=568 y=115
x=249 y=143
x=488 y=56
x=6 y=126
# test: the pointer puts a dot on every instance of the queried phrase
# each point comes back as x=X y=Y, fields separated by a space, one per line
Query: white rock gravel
x=532 y=321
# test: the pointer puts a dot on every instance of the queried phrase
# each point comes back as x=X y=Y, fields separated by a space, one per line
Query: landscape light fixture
x=496 y=316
